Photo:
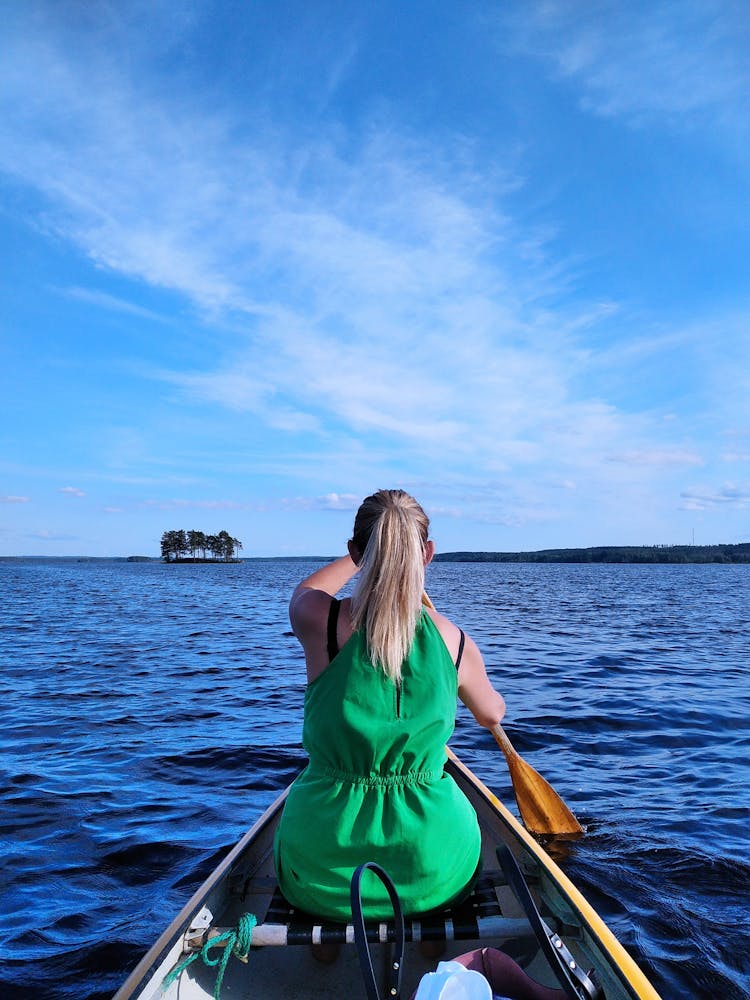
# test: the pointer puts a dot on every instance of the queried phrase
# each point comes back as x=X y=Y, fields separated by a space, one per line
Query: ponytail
x=390 y=531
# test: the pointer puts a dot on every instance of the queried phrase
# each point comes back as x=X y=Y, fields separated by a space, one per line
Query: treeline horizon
x=180 y=550
x=731 y=553
x=180 y=545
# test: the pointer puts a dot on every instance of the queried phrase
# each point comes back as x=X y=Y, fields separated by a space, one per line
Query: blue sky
x=260 y=259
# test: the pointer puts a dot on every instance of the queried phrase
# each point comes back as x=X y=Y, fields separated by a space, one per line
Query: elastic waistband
x=375 y=780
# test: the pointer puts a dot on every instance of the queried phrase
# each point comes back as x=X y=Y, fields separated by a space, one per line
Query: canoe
x=282 y=964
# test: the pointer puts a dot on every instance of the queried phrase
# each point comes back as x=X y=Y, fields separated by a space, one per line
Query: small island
x=183 y=546
x=739 y=553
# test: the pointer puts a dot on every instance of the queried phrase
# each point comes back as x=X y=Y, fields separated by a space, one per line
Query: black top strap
x=333 y=617
x=460 y=648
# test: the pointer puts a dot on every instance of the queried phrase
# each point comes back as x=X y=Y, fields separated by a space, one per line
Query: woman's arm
x=329 y=579
x=475 y=690
x=309 y=608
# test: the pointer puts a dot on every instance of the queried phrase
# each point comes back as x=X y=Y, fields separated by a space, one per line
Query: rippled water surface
x=150 y=713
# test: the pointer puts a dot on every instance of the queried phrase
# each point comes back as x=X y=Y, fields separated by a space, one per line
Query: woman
x=383 y=672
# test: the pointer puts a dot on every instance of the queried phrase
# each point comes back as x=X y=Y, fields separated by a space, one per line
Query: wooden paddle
x=542 y=810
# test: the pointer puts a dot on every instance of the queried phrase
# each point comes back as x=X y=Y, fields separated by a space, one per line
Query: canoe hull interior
x=245 y=882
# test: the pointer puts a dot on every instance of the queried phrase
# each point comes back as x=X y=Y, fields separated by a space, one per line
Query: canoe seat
x=478 y=917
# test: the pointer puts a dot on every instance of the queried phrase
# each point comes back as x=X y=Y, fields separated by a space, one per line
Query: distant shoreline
x=675 y=554
x=739 y=553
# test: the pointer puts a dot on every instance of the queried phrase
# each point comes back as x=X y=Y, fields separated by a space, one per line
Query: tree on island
x=174 y=545
x=196 y=540
x=177 y=546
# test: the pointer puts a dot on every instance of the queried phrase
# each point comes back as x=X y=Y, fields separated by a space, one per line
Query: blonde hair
x=390 y=533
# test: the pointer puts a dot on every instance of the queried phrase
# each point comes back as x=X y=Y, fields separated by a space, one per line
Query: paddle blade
x=542 y=810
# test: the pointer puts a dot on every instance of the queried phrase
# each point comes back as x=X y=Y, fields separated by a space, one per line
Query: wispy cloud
x=331 y=501
x=45 y=535
x=181 y=504
x=684 y=63
x=658 y=457
x=72 y=491
x=104 y=300
x=705 y=498
x=14 y=499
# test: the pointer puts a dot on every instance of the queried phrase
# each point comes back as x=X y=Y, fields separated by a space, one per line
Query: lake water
x=149 y=713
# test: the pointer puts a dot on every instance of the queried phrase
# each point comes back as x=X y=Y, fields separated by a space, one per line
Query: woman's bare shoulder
x=308 y=609
x=450 y=633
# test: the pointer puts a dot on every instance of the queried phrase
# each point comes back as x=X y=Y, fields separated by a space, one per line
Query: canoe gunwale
x=178 y=928
x=622 y=963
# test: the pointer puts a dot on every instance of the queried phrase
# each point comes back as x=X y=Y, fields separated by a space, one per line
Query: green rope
x=238 y=943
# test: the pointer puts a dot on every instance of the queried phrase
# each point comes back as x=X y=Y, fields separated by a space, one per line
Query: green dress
x=375 y=788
